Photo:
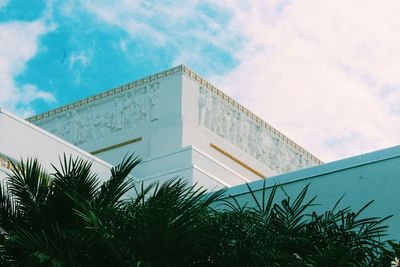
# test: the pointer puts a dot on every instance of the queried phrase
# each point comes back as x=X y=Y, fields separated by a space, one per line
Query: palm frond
x=75 y=176
x=118 y=185
x=8 y=211
x=29 y=187
x=42 y=249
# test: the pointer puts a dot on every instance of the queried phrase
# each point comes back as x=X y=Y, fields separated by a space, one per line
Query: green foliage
x=71 y=218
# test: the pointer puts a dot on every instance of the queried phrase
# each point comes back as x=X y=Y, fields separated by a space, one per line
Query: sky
x=325 y=73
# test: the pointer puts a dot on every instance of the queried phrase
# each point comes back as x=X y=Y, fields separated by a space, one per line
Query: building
x=181 y=125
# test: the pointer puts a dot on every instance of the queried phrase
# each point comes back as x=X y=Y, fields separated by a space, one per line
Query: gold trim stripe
x=116 y=146
x=7 y=163
x=238 y=161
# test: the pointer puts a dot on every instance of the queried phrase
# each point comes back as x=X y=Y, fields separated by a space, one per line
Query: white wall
x=20 y=139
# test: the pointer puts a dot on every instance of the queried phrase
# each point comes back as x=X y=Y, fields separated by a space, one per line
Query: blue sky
x=324 y=72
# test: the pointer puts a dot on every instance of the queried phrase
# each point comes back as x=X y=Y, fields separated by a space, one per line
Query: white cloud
x=132 y=16
x=19 y=43
x=67 y=8
x=30 y=92
x=3 y=3
x=324 y=72
x=78 y=61
x=123 y=45
x=81 y=58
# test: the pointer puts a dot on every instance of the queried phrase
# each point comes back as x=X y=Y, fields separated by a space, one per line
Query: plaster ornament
x=240 y=130
x=106 y=118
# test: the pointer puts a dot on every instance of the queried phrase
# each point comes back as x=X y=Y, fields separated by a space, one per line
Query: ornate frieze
x=125 y=110
x=239 y=129
x=121 y=89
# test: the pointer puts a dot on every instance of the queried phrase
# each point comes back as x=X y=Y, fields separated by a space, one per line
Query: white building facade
x=180 y=125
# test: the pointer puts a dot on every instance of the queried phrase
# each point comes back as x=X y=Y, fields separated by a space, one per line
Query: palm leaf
x=119 y=184
x=29 y=188
x=75 y=177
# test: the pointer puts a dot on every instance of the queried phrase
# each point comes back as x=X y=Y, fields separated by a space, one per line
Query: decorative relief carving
x=227 y=122
x=126 y=110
